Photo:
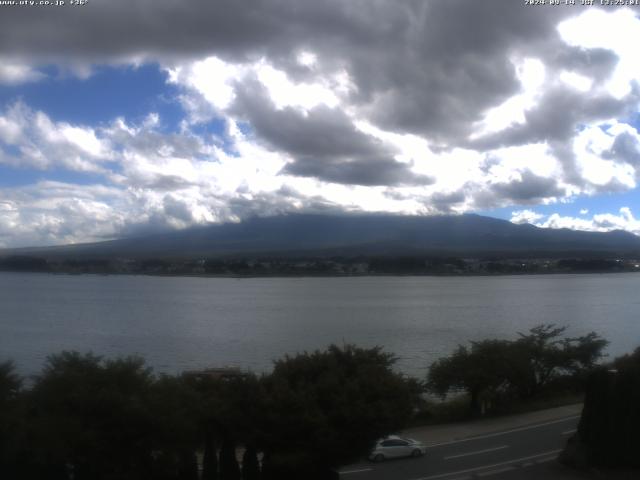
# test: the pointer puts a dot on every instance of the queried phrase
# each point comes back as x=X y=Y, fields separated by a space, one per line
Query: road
x=497 y=454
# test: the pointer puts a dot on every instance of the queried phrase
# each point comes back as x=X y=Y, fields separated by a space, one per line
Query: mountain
x=364 y=234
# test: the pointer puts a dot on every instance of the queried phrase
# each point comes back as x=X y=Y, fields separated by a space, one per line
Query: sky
x=120 y=118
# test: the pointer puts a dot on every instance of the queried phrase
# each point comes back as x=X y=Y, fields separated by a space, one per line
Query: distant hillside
x=324 y=235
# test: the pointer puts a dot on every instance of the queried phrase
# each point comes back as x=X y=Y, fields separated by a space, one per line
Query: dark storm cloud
x=596 y=63
x=529 y=188
x=323 y=142
x=444 y=202
x=429 y=67
x=164 y=28
x=279 y=202
x=368 y=172
x=454 y=64
x=559 y=112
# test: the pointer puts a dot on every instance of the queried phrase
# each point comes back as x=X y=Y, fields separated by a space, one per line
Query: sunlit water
x=180 y=323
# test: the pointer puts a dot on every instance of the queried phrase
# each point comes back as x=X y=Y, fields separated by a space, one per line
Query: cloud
x=49 y=213
x=625 y=149
x=15 y=73
x=602 y=222
x=373 y=105
x=525 y=216
x=616 y=31
x=30 y=139
x=323 y=142
x=415 y=67
x=529 y=188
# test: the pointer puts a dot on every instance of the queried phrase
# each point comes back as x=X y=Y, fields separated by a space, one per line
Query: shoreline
x=325 y=275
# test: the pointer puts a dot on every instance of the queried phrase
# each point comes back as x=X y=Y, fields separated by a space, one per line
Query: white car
x=396 y=447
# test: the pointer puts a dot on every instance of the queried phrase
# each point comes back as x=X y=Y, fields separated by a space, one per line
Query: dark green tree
x=502 y=369
x=250 y=464
x=174 y=407
x=188 y=465
x=325 y=409
x=608 y=429
x=210 y=457
x=10 y=419
x=480 y=371
x=229 y=468
x=230 y=410
x=542 y=355
x=10 y=383
x=583 y=353
x=90 y=416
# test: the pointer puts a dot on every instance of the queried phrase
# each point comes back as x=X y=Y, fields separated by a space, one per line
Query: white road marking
x=569 y=432
x=497 y=434
x=345 y=472
x=485 y=467
x=502 y=447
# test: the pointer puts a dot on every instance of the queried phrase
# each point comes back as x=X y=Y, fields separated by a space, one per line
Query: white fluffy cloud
x=31 y=139
x=617 y=31
x=14 y=72
x=603 y=222
x=525 y=216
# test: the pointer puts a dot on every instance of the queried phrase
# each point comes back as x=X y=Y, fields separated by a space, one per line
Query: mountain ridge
x=351 y=234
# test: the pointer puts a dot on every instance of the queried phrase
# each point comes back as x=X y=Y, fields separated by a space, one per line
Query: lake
x=179 y=323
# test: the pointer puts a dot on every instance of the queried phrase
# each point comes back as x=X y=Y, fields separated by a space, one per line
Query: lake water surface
x=180 y=323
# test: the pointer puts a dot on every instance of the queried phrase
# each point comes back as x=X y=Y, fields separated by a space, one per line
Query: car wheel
x=378 y=458
x=416 y=453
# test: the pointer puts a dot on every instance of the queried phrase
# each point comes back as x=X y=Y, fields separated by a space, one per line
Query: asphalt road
x=494 y=454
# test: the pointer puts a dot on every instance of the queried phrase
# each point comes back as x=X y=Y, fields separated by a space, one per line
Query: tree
x=91 y=416
x=210 y=458
x=479 y=371
x=174 y=407
x=229 y=468
x=583 y=353
x=542 y=355
x=325 y=409
x=230 y=412
x=522 y=368
x=607 y=433
x=10 y=384
x=250 y=465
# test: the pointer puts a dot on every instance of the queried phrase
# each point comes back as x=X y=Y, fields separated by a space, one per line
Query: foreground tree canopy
x=522 y=368
x=89 y=418
x=607 y=434
x=85 y=417
x=329 y=407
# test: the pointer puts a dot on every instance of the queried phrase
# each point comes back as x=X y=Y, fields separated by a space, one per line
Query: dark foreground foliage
x=608 y=430
x=88 y=418
x=495 y=371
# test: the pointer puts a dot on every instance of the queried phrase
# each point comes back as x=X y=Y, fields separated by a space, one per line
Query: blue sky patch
x=110 y=92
